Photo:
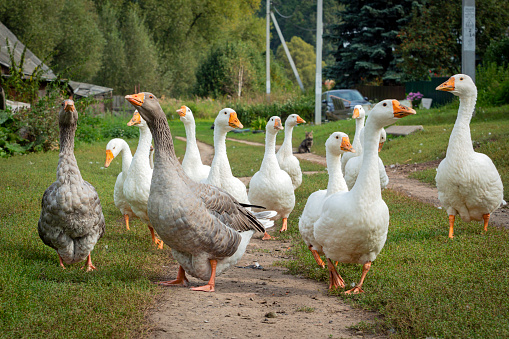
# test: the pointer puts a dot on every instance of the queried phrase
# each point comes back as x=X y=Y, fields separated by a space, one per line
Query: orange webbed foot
x=204 y=288
x=266 y=236
x=285 y=225
x=355 y=290
x=176 y=282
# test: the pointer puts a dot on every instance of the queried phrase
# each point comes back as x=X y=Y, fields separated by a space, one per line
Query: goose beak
x=278 y=125
x=234 y=121
x=447 y=86
x=300 y=120
x=69 y=106
x=380 y=144
x=346 y=145
x=356 y=113
x=401 y=111
x=109 y=158
x=182 y=111
x=135 y=120
x=136 y=99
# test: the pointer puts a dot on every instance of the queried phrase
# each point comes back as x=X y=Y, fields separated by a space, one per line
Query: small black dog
x=305 y=145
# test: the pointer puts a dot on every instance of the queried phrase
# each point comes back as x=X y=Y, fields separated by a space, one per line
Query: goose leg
x=358 y=288
x=61 y=261
x=159 y=243
x=318 y=260
x=89 y=265
x=212 y=282
x=451 y=226
x=335 y=279
x=284 y=227
x=486 y=218
x=266 y=236
x=180 y=281
x=126 y=218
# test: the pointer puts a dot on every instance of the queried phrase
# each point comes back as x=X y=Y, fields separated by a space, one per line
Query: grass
x=424 y=284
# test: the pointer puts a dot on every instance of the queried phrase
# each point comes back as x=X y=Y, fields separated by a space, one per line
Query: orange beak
x=135 y=120
x=136 y=99
x=182 y=111
x=446 y=86
x=300 y=120
x=401 y=111
x=234 y=121
x=69 y=106
x=278 y=125
x=380 y=144
x=356 y=113
x=109 y=158
x=346 y=145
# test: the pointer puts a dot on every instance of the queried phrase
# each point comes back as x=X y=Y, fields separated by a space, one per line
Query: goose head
x=137 y=120
x=186 y=115
x=113 y=148
x=358 y=112
x=227 y=120
x=383 y=138
x=387 y=112
x=147 y=106
x=68 y=114
x=293 y=120
x=338 y=143
x=459 y=85
x=273 y=125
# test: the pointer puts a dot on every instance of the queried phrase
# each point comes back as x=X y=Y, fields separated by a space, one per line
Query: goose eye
x=337 y=137
x=461 y=79
x=151 y=96
x=225 y=113
x=385 y=104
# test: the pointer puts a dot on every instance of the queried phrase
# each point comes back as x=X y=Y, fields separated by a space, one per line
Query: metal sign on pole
x=318 y=78
x=287 y=51
x=267 y=57
x=468 y=38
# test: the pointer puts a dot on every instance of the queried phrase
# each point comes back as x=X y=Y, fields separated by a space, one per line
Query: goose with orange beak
x=139 y=176
x=272 y=187
x=192 y=163
x=206 y=228
x=287 y=161
x=468 y=182
x=359 y=114
x=353 y=225
x=220 y=174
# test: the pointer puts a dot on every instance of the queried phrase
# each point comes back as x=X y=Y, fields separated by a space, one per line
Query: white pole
x=318 y=78
x=468 y=39
x=287 y=51
x=267 y=57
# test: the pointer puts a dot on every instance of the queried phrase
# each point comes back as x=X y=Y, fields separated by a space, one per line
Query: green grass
x=424 y=284
x=37 y=297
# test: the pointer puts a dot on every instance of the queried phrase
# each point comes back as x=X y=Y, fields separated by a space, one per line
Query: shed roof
x=82 y=89
x=8 y=39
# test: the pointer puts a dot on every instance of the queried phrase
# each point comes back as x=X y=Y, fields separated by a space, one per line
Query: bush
x=492 y=84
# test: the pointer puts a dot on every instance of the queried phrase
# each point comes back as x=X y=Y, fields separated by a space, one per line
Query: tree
x=365 y=42
x=304 y=57
x=431 y=46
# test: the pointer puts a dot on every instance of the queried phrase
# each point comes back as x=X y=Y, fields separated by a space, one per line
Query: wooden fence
x=121 y=106
x=379 y=93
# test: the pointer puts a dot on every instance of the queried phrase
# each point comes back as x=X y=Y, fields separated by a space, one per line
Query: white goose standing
x=139 y=176
x=220 y=171
x=353 y=225
x=337 y=144
x=359 y=114
x=468 y=182
x=113 y=148
x=192 y=163
x=287 y=161
x=271 y=187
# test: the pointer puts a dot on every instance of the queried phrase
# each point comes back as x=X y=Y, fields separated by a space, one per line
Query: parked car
x=338 y=104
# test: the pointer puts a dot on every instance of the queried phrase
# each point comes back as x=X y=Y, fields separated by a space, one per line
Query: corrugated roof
x=31 y=61
x=85 y=90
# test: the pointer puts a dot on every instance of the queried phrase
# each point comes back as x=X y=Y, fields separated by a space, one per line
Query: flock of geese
x=207 y=217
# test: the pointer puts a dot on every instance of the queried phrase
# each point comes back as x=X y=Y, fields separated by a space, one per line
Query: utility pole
x=288 y=55
x=267 y=56
x=318 y=78
x=468 y=38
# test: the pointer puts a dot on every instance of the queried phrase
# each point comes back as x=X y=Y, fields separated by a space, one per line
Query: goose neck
x=287 y=147
x=164 y=151
x=359 y=126
x=269 y=158
x=460 y=140
x=67 y=164
x=336 y=182
x=127 y=157
x=192 y=151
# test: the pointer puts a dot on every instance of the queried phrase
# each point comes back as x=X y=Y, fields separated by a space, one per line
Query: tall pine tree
x=366 y=40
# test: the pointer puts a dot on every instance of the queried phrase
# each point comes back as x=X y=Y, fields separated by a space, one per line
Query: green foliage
x=493 y=84
x=259 y=124
x=498 y=52
x=365 y=40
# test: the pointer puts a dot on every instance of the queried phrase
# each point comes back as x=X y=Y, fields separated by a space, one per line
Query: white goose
x=139 y=176
x=354 y=165
x=353 y=225
x=337 y=144
x=220 y=171
x=192 y=164
x=271 y=187
x=359 y=114
x=287 y=161
x=113 y=148
x=468 y=182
